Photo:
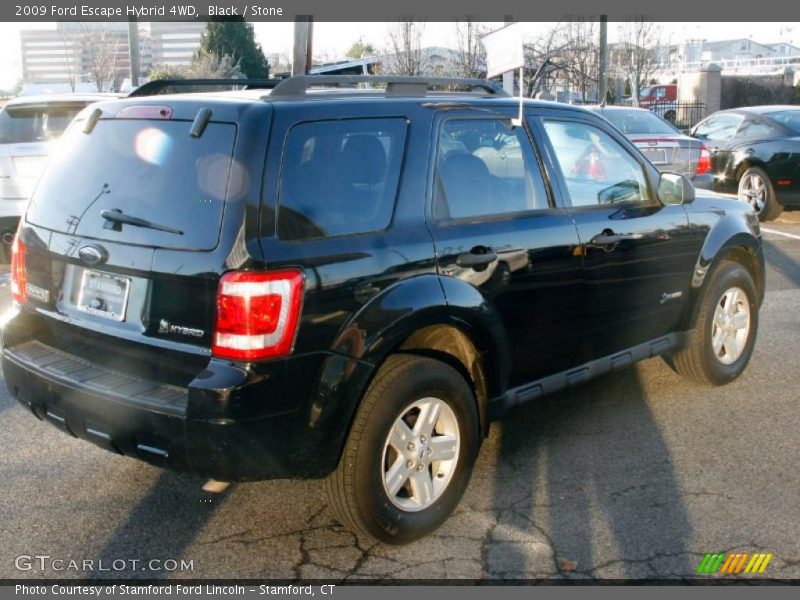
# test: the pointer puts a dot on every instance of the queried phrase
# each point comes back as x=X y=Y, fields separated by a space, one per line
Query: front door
x=637 y=253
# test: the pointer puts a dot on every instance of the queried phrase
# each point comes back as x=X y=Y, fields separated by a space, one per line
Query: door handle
x=608 y=239
x=479 y=256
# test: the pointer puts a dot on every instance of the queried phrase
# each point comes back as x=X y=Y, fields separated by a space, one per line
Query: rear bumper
x=704 y=181
x=789 y=198
x=227 y=424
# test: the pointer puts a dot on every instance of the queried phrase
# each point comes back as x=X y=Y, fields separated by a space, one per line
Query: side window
x=485 y=167
x=721 y=127
x=597 y=169
x=339 y=177
x=756 y=129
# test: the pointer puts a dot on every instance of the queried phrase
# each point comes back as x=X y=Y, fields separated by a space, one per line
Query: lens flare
x=152 y=145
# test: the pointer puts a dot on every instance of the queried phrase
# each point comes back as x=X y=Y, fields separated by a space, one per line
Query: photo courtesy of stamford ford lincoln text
x=343 y=299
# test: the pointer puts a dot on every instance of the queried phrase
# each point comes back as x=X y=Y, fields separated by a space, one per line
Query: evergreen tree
x=235 y=38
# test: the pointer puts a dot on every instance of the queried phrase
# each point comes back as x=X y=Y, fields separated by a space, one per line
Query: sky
x=331 y=40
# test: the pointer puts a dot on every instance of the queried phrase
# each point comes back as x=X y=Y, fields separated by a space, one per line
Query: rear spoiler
x=173 y=86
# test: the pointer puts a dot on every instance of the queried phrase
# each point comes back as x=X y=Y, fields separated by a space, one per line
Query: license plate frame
x=110 y=304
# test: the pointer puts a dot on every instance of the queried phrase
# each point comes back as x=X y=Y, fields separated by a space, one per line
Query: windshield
x=152 y=170
x=35 y=123
x=638 y=121
x=788 y=118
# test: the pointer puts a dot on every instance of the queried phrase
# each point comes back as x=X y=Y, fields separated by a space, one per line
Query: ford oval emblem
x=93 y=255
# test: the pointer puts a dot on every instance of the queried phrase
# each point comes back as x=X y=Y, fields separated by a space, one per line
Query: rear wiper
x=116 y=218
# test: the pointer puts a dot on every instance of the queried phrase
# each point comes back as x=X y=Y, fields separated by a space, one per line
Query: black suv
x=322 y=280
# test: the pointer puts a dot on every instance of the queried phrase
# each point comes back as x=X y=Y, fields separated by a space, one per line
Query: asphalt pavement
x=636 y=475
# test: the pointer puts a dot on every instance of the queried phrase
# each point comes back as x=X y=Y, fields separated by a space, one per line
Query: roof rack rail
x=395 y=85
x=157 y=86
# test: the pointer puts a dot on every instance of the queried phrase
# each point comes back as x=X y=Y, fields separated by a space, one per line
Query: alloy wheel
x=731 y=326
x=420 y=454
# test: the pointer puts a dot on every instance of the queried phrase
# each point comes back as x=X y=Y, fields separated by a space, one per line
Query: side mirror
x=675 y=189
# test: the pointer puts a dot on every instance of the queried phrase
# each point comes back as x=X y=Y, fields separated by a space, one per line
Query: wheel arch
x=732 y=238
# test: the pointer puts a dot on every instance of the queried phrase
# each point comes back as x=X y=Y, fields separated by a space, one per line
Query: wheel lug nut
x=419 y=466
x=422 y=439
x=409 y=464
x=411 y=446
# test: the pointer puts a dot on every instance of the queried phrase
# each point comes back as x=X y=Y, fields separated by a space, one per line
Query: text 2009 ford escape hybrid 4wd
x=324 y=281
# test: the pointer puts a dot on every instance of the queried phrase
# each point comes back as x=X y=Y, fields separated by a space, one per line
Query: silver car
x=28 y=127
x=666 y=147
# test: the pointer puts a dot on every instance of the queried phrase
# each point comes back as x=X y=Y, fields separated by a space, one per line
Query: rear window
x=638 y=122
x=340 y=177
x=788 y=118
x=152 y=170
x=39 y=123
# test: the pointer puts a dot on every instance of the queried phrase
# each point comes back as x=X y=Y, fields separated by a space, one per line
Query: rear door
x=497 y=227
x=637 y=253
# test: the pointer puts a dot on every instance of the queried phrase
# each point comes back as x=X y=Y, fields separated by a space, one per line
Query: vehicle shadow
x=602 y=493
x=161 y=527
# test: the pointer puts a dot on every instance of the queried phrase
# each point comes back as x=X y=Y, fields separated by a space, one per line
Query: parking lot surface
x=636 y=475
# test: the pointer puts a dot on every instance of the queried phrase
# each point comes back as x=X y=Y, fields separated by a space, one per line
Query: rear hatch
x=126 y=236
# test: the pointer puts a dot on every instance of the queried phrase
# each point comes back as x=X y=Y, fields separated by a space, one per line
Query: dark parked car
x=323 y=281
x=755 y=152
x=667 y=148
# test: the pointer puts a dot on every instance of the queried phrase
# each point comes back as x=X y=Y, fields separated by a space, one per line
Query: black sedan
x=755 y=152
x=666 y=147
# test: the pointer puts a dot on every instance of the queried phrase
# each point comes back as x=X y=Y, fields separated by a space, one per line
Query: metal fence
x=684 y=115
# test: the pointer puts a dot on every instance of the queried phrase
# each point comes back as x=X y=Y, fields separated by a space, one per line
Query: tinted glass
x=788 y=118
x=638 y=121
x=597 y=169
x=41 y=123
x=148 y=169
x=485 y=167
x=757 y=129
x=721 y=127
x=340 y=177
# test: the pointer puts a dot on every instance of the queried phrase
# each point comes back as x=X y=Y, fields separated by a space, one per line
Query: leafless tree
x=470 y=58
x=101 y=45
x=405 y=49
x=579 y=54
x=636 y=54
x=72 y=56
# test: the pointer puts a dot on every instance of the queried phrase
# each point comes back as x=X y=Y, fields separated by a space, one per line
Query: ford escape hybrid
x=321 y=280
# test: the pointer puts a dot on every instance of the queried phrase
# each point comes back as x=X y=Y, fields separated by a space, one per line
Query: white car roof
x=60 y=98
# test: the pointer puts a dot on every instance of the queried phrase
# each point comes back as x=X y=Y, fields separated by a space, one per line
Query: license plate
x=104 y=295
x=656 y=156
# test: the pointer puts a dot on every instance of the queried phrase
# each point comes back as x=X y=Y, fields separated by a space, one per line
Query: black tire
x=356 y=488
x=670 y=116
x=771 y=208
x=698 y=360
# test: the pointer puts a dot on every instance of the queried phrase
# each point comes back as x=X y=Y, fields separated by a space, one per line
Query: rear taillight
x=19 y=275
x=257 y=314
x=704 y=162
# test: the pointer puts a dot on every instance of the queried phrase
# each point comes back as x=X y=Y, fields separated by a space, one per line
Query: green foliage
x=235 y=38
x=203 y=66
x=359 y=49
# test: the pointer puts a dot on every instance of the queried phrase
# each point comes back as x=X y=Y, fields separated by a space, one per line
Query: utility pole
x=133 y=51
x=603 y=70
x=508 y=76
x=303 y=36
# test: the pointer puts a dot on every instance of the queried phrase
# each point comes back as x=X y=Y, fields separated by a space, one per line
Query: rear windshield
x=638 y=121
x=35 y=123
x=151 y=170
x=788 y=118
